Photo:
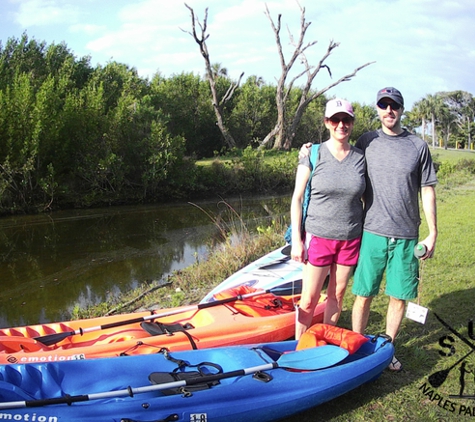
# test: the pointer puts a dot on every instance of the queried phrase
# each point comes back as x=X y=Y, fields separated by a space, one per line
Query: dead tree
x=218 y=104
x=285 y=128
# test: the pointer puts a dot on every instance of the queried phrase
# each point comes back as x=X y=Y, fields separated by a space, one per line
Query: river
x=51 y=263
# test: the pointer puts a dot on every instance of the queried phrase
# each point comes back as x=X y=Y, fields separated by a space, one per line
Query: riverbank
x=190 y=285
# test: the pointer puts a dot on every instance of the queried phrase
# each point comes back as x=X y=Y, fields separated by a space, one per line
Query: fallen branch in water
x=135 y=299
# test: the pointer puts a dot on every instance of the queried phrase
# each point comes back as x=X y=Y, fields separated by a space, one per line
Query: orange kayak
x=242 y=315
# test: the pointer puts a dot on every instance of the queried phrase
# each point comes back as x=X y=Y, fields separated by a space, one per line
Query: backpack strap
x=306 y=198
x=314 y=155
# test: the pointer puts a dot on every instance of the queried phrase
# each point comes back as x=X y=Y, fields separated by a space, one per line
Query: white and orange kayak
x=240 y=315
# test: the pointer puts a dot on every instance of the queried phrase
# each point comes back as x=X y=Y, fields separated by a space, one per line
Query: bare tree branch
x=212 y=76
x=286 y=126
x=231 y=89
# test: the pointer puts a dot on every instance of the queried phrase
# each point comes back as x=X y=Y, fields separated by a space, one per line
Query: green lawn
x=452 y=155
x=448 y=289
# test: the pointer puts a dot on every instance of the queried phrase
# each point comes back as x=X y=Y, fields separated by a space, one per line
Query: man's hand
x=305 y=150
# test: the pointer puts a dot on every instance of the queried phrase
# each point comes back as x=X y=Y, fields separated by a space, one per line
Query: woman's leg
x=313 y=278
x=339 y=276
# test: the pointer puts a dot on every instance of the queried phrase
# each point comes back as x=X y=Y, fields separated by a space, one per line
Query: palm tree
x=434 y=104
x=419 y=112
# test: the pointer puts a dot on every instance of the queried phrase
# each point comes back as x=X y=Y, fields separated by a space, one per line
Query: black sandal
x=395 y=365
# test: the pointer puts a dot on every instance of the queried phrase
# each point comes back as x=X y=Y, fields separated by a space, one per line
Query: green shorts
x=395 y=256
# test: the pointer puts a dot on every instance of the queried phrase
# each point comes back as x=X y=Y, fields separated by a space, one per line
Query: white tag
x=416 y=312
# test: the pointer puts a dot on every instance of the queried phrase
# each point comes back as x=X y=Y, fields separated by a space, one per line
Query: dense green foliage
x=446 y=119
x=74 y=135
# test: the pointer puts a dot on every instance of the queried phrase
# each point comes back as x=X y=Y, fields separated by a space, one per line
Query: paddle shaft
x=51 y=339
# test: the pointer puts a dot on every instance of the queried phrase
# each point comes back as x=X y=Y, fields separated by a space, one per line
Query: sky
x=420 y=47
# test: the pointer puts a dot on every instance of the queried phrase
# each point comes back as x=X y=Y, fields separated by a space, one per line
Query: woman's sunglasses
x=384 y=105
x=336 y=120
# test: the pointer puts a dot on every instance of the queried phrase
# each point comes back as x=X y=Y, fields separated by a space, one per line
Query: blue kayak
x=261 y=382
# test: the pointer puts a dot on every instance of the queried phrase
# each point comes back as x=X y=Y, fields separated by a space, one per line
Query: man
x=399 y=166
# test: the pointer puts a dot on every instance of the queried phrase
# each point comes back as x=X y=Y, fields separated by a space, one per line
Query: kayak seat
x=322 y=334
x=158 y=329
x=171 y=377
x=13 y=344
x=265 y=304
x=10 y=392
x=16 y=340
x=25 y=382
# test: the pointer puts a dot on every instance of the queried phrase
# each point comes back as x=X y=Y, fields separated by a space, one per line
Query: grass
x=447 y=288
x=452 y=155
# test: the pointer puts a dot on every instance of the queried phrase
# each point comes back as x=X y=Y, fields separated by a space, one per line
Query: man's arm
x=429 y=207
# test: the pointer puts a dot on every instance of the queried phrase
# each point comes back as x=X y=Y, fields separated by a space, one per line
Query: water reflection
x=50 y=263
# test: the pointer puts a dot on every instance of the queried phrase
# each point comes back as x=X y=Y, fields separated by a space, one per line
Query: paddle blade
x=50 y=339
x=288 y=289
x=437 y=378
x=313 y=358
x=274 y=263
x=286 y=250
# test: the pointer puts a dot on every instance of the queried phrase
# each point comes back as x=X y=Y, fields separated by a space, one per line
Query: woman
x=334 y=221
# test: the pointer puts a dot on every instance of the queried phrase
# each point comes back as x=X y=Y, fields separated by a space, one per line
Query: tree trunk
x=211 y=76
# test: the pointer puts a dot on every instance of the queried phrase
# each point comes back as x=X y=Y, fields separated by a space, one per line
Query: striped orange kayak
x=242 y=315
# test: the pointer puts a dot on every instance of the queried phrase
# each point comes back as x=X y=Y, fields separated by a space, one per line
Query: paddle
x=303 y=360
x=274 y=263
x=283 y=290
x=437 y=378
x=286 y=250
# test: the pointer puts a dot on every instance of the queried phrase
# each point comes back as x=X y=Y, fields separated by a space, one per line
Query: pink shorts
x=322 y=252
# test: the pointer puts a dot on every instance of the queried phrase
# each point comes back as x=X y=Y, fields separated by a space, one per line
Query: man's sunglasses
x=384 y=105
x=336 y=120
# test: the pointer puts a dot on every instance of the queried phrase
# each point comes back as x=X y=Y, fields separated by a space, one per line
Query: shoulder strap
x=314 y=155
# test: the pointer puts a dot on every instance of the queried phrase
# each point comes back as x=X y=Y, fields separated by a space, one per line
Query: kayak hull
x=266 y=396
x=240 y=322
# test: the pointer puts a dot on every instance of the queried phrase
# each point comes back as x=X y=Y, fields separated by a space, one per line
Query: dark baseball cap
x=391 y=93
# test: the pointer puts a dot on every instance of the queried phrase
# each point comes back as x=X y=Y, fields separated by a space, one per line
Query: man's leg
x=360 y=313
x=394 y=316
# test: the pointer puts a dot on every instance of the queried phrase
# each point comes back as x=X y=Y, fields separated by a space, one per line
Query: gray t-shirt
x=397 y=167
x=335 y=210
